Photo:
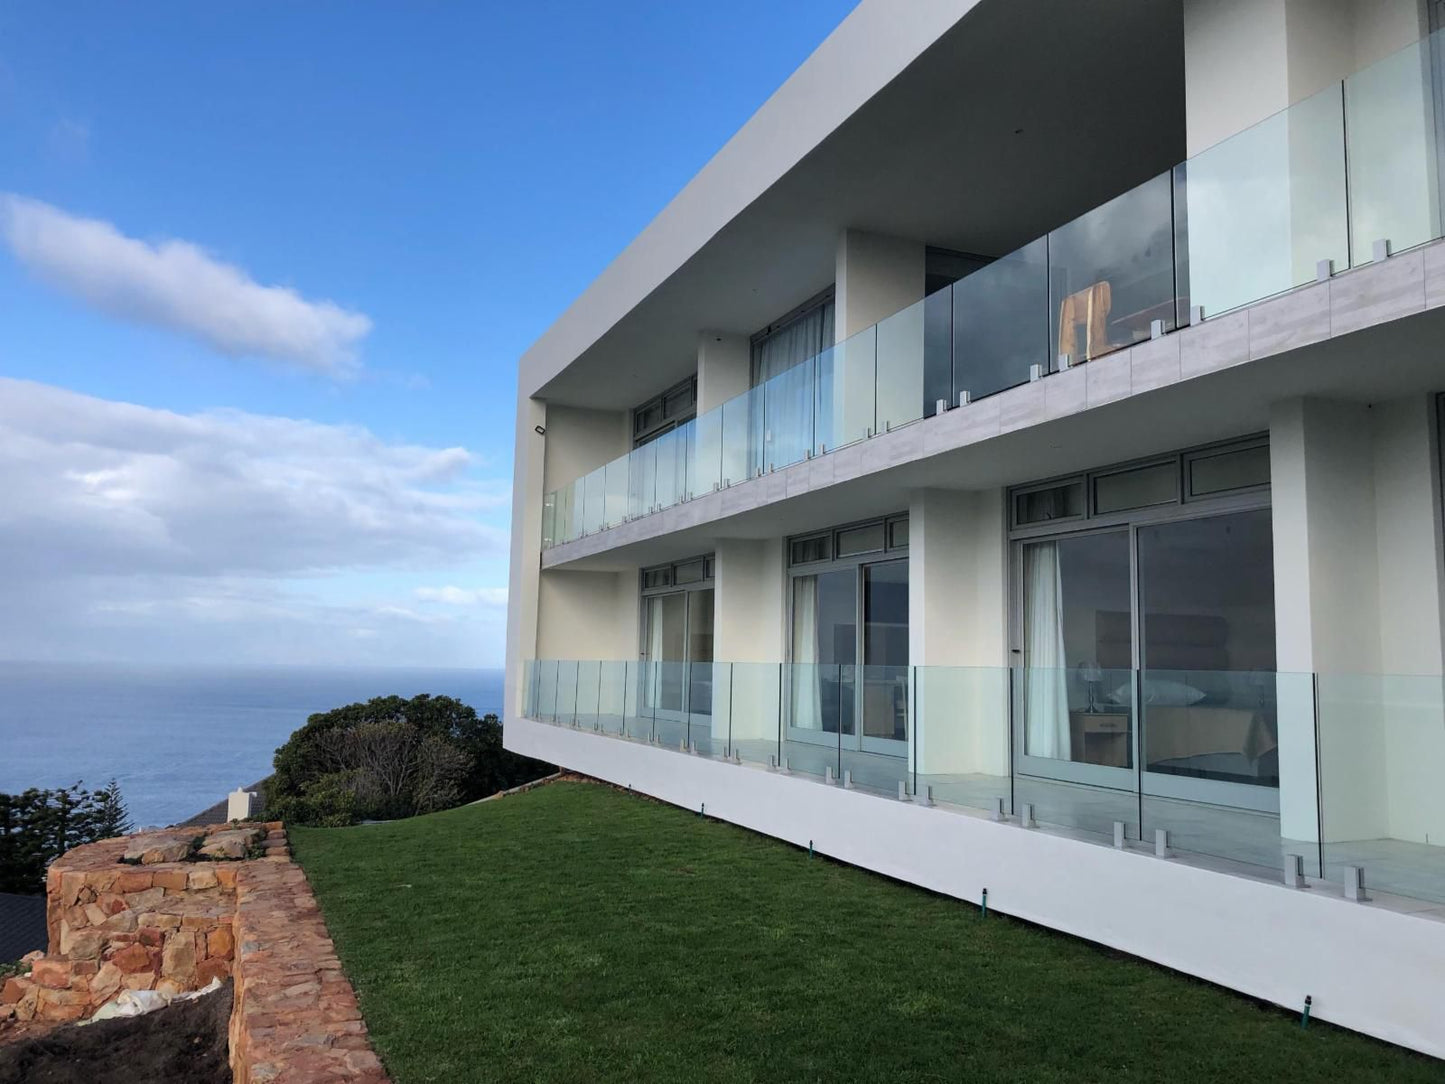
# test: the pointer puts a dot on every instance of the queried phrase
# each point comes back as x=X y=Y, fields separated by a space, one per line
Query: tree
x=392 y=757
x=38 y=826
x=111 y=816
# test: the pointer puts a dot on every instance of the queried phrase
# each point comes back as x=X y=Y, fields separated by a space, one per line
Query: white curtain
x=1046 y=694
x=807 y=703
x=793 y=343
x=654 y=652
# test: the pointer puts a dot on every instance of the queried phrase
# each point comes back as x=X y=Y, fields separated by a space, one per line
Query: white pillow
x=1161 y=693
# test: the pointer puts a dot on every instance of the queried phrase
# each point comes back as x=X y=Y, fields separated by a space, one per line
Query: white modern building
x=1013 y=465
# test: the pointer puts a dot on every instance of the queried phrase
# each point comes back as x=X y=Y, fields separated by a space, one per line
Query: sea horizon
x=179 y=737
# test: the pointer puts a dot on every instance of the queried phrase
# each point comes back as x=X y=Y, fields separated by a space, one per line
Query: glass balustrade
x=1242 y=768
x=1251 y=217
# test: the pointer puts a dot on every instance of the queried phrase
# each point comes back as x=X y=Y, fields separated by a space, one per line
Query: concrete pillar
x=749 y=631
x=876 y=276
x=958 y=632
x=724 y=368
x=1245 y=60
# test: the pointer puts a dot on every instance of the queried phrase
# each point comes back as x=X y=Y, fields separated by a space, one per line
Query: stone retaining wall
x=171 y=911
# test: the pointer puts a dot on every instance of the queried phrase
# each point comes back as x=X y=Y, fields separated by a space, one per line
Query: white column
x=876 y=276
x=958 y=631
x=724 y=368
x=749 y=631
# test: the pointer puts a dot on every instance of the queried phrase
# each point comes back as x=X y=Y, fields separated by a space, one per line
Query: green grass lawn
x=576 y=933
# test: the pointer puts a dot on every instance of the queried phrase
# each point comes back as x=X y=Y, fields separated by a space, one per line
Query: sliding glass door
x=1144 y=629
x=677 y=641
x=848 y=682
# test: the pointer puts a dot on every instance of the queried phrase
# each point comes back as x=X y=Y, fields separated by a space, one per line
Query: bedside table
x=1099 y=737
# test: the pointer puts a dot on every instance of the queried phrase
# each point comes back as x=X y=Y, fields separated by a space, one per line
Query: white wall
x=1358 y=586
x=749 y=629
x=527 y=490
x=587 y=615
x=876 y=277
x=958 y=627
x=1247 y=59
x=1365 y=967
x=579 y=441
x=724 y=368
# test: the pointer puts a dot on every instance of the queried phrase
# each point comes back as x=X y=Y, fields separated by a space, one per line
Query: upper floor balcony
x=1344 y=179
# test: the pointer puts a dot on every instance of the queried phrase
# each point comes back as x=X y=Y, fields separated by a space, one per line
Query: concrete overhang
x=975 y=125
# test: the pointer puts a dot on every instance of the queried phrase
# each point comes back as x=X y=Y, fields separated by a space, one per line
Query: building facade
x=1013 y=465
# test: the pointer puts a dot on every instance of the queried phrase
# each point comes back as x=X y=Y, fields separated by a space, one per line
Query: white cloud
x=178 y=286
x=463 y=596
x=127 y=531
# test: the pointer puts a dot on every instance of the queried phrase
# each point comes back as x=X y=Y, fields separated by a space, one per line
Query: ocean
x=179 y=739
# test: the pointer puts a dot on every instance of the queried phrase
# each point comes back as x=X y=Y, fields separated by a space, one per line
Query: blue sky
x=309 y=242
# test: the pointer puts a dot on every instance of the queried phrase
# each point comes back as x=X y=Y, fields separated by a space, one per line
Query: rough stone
x=151 y=850
x=221 y=943
x=51 y=972
x=105 y=983
x=172 y=880
x=178 y=961
x=132 y=880
x=132 y=959
x=84 y=945
x=145 y=900
x=201 y=879
x=230 y=845
x=141 y=980
x=13 y=990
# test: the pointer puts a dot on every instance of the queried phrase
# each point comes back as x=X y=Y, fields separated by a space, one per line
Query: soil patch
x=185 y=1043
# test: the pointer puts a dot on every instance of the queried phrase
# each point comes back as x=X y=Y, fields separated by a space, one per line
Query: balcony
x=1327 y=776
x=1341 y=180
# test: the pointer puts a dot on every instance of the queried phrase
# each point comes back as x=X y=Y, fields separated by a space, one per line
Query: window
x=807 y=550
x=898 y=534
x=1227 y=471
x=691 y=572
x=1043 y=505
x=869 y=538
x=794 y=338
x=665 y=412
x=656 y=577
x=1137 y=488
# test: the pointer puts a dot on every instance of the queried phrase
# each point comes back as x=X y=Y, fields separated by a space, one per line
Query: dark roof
x=22 y=926
x=216 y=814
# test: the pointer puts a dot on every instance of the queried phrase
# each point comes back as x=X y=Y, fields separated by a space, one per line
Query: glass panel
x=898 y=534
x=642 y=480
x=788 y=406
x=1078 y=650
x=1262 y=714
x=611 y=697
x=866 y=539
x=1382 y=757
x=960 y=739
x=1260 y=209
x=742 y=436
x=806 y=550
x=690 y=572
x=825 y=632
x=753 y=695
x=1225 y=471
x=1208 y=700
x=589 y=693
x=615 y=484
x=845 y=381
x=901 y=385
x=819 y=713
x=699 y=652
x=1393 y=156
x=566 y=708
x=671 y=468
x=885 y=651
x=1043 y=505
x=1000 y=322
x=1138 y=488
x=594 y=501
x=664 y=639
x=1111 y=272
x=704 y=466
x=549 y=520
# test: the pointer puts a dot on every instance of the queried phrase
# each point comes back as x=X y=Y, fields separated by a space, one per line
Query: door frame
x=688 y=590
x=857 y=741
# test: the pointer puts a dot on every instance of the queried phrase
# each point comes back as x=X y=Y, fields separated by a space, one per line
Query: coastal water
x=178 y=739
